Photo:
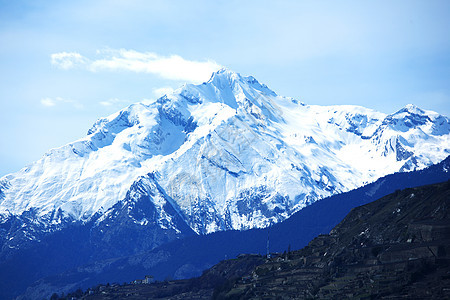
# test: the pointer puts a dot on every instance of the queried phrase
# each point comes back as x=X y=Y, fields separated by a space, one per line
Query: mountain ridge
x=187 y=257
x=219 y=151
x=228 y=154
x=394 y=247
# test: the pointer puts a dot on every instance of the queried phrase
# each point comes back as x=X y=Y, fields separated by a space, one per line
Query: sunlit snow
x=230 y=148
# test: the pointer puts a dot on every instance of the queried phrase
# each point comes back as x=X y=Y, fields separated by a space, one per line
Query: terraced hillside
x=398 y=246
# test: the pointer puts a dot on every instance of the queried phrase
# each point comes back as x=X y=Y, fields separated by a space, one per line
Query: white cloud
x=113 y=101
x=148 y=101
x=106 y=103
x=68 y=60
x=162 y=91
x=49 y=102
x=172 y=67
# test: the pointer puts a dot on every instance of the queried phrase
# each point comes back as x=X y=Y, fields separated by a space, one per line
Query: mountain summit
x=226 y=154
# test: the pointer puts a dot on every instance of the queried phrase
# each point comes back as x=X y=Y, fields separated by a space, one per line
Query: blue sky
x=64 y=64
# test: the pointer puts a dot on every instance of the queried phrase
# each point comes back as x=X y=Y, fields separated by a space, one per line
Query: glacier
x=225 y=154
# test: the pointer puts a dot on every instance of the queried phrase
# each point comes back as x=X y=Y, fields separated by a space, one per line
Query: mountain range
x=396 y=247
x=190 y=256
x=228 y=154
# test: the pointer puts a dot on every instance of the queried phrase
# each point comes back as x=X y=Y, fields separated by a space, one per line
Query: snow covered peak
x=223 y=74
x=413 y=119
x=408 y=111
x=411 y=108
x=227 y=153
x=127 y=117
x=224 y=77
x=250 y=99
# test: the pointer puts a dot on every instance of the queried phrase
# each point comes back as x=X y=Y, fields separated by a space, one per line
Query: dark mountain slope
x=188 y=257
x=395 y=247
x=86 y=243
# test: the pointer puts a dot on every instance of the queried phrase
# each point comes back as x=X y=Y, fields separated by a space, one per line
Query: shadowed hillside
x=188 y=257
x=397 y=246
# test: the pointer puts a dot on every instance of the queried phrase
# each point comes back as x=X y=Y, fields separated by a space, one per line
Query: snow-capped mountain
x=226 y=154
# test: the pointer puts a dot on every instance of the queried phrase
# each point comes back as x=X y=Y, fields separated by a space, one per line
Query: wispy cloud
x=173 y=67
x=162 y=91
x=114 y=101
x=68 y=60
x=50 y=102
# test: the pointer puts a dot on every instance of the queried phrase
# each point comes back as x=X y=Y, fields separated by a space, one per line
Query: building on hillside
x=148 y=279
